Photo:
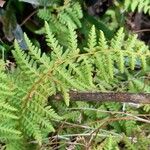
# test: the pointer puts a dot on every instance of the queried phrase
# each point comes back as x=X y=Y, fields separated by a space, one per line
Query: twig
x=28 y=17
x=142 y=30
x=106 y=97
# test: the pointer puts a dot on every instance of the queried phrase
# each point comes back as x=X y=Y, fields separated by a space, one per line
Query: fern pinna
x=69 y=12
x=140 y=5
x=26 y=112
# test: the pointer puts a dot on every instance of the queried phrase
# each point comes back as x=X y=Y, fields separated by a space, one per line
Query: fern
x=34 y=114
x=110 y=143
x=92 y=39
x=70 y=13
x=59 y=18
x=8 y=112
x=28 y=114
x=62 y=69
x=146 y=108
x=140 y=5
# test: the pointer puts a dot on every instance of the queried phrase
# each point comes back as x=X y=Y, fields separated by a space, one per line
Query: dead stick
x=109 y=97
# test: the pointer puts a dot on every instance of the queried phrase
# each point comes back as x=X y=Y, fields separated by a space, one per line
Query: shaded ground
x=140 y=24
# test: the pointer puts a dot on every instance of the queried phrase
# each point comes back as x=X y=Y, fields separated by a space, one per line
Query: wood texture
x=143 y=98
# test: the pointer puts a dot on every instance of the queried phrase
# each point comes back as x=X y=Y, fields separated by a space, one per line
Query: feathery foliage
x=63 y=69
x=27 y=113
x=140 y=5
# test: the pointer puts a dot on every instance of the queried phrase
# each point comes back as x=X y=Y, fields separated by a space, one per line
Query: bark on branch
x=109 y=97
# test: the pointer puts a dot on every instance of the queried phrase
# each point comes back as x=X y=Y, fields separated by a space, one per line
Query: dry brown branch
x=107 y=97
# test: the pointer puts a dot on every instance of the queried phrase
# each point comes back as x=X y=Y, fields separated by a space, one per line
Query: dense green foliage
x=82 y=54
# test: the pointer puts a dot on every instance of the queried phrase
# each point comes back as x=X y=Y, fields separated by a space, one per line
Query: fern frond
x=92 y=39
x=7 y=130
x=140 y=5
x=36 y=54
x=65 y=18
x=72 y=39
x=52 y=42
x=100 y=64
x=146 y=108
x=71 y=13
x=66 y=95
x=63 y=69
x=44 y=14
x=128 y=144
x=79 y=74
x=109 y=144
x=7 y=119
x=8 y=113
x=110 y=62
x=36 y=116
x=78 y=10
x=117 y=41
x=87 y=69
x=102 y=44
x=16 y=145
x=68 y=79
x=25 y=62
x=121 y=64
x=129 y=126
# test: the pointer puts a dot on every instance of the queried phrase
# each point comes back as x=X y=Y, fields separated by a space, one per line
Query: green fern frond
x=72 y=39
x=146 y=108
x=68 y=79
x=34 y=114
x=102 y=44
x=8 y=113
x=140 y=85
x=64 y=15
x=16 y=145
x=27 y=113
x=130 y=125
x=92 y=39
x=110 y=62
x=64 y=18
x=87 y=69
x=36 y=54
x=52 y=42
x=121 y=64
x=70 y=12
x=44 y=14
x=63 y=69
x=118 y=39
x=66 y=95
x=8 y=130
x=128 y=144
x=25 y=62
x=110 y=143
x=140 y=5
x=78 y=10
x=131 y=42
x=81 y=74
